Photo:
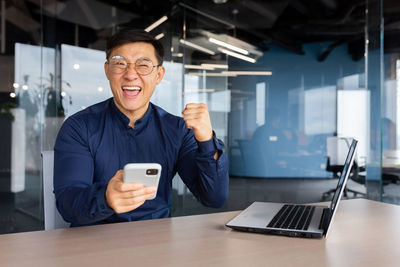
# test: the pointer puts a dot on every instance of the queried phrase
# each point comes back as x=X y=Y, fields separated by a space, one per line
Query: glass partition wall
x=390 y=111
x=286 y=85
x=204 y=81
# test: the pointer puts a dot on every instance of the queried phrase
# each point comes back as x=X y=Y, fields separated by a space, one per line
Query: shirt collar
x=140 y=123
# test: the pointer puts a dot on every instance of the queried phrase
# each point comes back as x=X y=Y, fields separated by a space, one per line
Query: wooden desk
x=364 y=233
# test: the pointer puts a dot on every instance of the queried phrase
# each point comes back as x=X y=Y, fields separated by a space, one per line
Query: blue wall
x=300 y=154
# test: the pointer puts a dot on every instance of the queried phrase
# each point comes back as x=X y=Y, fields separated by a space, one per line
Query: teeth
x=132 y=88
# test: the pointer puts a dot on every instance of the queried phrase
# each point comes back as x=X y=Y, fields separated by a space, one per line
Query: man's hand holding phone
x=124 y=197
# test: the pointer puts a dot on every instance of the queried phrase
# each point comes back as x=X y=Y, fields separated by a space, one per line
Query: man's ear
x=160 y=74
x=106 y=69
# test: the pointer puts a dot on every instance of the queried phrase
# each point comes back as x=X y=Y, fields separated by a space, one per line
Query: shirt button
x=102 y=206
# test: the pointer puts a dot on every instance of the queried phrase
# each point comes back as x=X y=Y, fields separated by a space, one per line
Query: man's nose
x=131 y=71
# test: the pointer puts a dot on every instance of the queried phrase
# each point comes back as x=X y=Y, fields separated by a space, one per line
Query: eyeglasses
x=143 y=66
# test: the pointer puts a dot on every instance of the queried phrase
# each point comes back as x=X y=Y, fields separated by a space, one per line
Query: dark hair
x=129 y=35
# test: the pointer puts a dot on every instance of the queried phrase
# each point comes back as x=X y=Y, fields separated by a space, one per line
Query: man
x=94 y=145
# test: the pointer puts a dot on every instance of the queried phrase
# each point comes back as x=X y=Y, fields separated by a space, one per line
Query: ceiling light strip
x=260 y=73
x=232 y=73
x=198 y=47
x=159 y=36
x=229 y=46
x=215 y=66
x=177 y=54
x=212 y=74
x=234 y=54
x=199 y=90
x=198 y=67
x=156 y=24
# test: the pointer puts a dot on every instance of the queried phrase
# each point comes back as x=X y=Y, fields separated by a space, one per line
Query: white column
x=18 y=151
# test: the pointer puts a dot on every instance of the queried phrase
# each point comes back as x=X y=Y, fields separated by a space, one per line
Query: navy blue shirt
x=93 y=144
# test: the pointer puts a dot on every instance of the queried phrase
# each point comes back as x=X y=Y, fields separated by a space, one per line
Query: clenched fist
x=197 y=118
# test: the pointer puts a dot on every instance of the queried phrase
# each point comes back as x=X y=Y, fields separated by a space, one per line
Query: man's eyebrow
x=141 y=58
x=144 y=58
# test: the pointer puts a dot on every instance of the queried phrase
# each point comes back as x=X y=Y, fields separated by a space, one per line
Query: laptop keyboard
x=293 y=217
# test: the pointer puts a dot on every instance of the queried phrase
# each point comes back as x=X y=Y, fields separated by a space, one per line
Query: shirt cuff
x=101 y=201
x=209 y=146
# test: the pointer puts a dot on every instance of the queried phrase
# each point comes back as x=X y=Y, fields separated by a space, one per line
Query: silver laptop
x=294 y=220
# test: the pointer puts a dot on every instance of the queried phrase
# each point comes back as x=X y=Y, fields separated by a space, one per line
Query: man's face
x=132 y=91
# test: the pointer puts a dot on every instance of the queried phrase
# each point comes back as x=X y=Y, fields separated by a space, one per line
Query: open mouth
x=131 y=91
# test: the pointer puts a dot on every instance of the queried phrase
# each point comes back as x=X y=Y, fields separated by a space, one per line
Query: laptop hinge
x=326 y=214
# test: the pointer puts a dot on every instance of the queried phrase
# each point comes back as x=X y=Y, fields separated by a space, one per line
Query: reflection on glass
x=390 y=124
x=192 y=93
x=34 y=85
x=260 y=104
x=300 y=110
x=320 y=110
x=168 y=94
x=353 y=117
x=82 y=86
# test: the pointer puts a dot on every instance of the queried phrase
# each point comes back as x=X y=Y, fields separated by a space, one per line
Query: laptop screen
x=343 y=178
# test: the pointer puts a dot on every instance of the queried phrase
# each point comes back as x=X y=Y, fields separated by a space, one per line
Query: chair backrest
x=391 y=158
x=52 y=218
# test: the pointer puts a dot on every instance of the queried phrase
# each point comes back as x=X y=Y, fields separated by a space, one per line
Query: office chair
x=52 y=218
x=336 y=155
x=390 y=168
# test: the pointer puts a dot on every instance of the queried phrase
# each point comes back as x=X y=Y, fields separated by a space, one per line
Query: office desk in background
x=364 y=233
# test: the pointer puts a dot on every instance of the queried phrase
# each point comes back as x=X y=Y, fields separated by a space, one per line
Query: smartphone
x=146 y=173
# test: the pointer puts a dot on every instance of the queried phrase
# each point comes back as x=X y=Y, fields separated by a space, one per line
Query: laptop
x=291 y=219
